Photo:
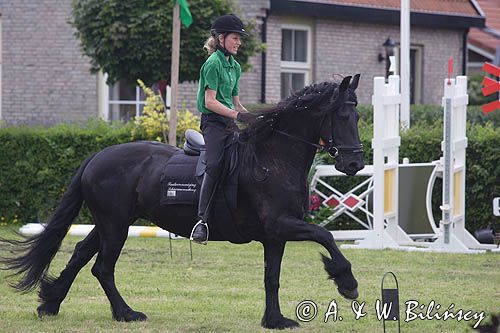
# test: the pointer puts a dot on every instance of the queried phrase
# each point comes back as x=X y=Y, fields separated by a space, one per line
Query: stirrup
x=192 y=231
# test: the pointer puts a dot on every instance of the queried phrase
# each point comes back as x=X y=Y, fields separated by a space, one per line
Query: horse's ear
x=355 y=81
x=345 y=83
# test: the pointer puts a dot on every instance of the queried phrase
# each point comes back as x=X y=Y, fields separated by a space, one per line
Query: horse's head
x=340 y=128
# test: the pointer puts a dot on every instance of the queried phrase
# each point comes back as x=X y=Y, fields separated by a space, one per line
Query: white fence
x=381 y=228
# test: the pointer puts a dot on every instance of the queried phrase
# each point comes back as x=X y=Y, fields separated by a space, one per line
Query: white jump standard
x=386 y=101
x=453 y=236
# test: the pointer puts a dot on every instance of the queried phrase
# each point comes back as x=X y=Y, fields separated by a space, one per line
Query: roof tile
x=479 y=38
x=453 y=7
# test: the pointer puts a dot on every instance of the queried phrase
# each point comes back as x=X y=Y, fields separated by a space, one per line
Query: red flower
x=314 y=202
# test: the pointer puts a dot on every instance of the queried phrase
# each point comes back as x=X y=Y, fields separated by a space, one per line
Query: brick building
x=484 y=43
x=45 y=79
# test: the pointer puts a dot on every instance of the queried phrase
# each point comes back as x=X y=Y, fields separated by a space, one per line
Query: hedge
x=36 y=164
x=430 y=114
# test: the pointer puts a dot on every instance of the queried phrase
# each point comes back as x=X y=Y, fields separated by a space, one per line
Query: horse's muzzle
x=350 y=164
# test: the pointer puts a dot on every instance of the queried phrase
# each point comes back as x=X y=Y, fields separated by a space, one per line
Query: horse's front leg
x=338 y=267
x=273 y=253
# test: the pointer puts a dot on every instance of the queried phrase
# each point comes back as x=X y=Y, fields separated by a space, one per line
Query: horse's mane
x=312 y=99
x=308 y=99
x=304 y=99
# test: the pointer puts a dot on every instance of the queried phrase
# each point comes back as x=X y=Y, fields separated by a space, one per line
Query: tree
x=131 y=39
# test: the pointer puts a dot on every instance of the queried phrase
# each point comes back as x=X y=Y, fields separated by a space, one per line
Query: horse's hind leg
x=53 y=291
x=338 y=267
x=112 y=237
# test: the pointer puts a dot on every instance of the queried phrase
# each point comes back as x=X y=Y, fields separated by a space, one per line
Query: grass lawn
x=221 y=289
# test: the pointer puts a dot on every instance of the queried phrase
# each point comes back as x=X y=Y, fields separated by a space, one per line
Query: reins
x=316 y=145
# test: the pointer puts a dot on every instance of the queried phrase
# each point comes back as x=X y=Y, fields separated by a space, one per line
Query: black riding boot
x=200 y=230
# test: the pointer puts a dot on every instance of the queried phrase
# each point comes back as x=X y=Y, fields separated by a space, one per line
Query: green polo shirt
x=221 y=75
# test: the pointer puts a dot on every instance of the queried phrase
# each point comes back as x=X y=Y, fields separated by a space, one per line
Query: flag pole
x=405 y=64
x=174 y=70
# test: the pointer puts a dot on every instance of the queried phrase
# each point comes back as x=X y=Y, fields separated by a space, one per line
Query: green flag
x=186 y=17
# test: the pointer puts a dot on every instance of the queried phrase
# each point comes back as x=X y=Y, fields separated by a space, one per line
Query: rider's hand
x=248 y=118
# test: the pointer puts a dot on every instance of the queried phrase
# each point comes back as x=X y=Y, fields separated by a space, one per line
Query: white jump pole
x=85 y=229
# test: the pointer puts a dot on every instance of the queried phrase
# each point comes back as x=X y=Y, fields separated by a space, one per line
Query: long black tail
x=36 y=252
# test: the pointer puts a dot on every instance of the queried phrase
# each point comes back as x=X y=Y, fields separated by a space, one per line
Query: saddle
x=183 y=173
x=194 y=144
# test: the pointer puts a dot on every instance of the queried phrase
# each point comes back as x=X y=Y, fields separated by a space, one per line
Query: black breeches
x=216 y=129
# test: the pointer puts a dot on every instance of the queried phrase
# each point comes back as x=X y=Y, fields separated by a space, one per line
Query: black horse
x=122 y=183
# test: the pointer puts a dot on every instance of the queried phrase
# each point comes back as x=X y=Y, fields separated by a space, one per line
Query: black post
x=390 y=299
x=170 y=243
x=387 y=66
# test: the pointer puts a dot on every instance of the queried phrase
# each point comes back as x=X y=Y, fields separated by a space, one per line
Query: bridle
x=329 y=147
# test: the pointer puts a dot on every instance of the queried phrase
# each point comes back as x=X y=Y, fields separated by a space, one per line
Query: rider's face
x=232 y=42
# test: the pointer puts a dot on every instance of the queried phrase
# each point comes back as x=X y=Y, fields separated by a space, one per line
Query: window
x=295 y=58
x=415 y=72
x=291 y=82
x=294 y=45
x=125 y=101
x=122 y=101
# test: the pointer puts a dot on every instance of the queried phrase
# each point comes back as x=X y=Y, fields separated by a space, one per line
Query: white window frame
x=299 y=66
x=105 y=102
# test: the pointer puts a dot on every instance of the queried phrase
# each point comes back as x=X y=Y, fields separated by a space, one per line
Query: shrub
x=37 y=165
x=430 y=114
x=153 y=123
x=474 y=86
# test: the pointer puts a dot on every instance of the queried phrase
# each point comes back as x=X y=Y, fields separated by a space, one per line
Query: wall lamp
x=389 y=46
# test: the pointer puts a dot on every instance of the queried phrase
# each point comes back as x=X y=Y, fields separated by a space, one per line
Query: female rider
x=220 y=105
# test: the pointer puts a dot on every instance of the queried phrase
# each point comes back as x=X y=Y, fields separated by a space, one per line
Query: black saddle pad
x=181 y=179
x=178 y=181
x=180 y=184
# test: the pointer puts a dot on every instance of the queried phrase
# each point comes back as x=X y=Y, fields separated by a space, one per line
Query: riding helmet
x=228 y=23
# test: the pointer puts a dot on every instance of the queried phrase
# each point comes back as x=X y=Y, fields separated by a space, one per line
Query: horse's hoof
x=44 y=310
x=131 y=315
x=279 y=323
x=349 y=294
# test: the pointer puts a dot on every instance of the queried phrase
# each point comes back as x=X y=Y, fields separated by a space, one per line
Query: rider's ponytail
x=210 y=45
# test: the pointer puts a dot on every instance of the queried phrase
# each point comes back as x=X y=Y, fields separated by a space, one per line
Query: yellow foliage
x=153 y=123
x=186 y=120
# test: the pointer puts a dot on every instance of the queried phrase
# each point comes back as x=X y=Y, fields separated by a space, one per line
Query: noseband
x=329 y=147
